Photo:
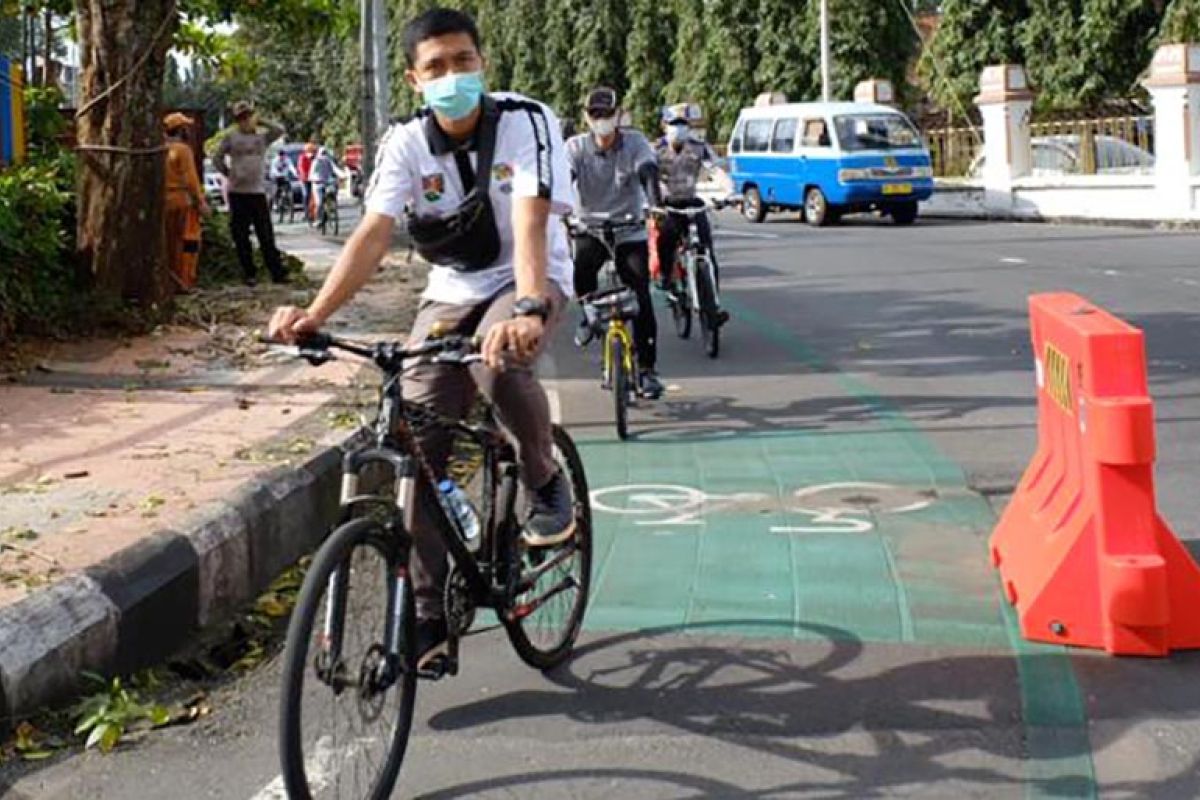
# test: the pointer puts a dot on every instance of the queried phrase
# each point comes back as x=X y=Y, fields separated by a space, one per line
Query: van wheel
x=905 y=213
x=752 y=205
x=816 y=208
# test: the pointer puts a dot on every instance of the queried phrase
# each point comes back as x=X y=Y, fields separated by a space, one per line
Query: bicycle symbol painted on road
x=846 y=507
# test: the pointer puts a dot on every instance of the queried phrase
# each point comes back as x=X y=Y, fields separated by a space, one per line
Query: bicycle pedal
x=438 y=667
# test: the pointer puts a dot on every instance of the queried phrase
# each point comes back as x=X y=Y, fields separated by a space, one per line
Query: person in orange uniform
x=185 y=203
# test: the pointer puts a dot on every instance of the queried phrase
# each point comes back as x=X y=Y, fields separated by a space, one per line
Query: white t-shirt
x=416 y=168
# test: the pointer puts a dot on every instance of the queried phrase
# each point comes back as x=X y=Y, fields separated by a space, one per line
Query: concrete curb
x=1166 y=226
x=142 y=603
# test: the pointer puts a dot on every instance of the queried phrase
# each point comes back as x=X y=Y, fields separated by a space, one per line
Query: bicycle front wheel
x=346 y=707
x=619 y=384
x=547 y=613
x=710 y=324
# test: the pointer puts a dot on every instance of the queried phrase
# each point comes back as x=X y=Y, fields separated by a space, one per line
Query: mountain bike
x=350 y=663
x=282 y=201
x=610 y=310
x=327 y=214
x=699 y=292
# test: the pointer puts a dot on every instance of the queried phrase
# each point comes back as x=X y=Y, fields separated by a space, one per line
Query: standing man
x=483 y=174
x=616 y=173
x=241 y=158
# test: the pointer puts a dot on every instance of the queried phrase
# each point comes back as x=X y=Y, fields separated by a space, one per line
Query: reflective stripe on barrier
x=1081 y=549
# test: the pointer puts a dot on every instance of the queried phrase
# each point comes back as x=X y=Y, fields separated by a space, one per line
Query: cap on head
x=602 y=102
x=241 y=109
x=175 y=120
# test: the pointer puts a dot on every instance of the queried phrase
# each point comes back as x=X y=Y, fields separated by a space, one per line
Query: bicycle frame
x=491 y=583
x=693 y=251
x=619 y=330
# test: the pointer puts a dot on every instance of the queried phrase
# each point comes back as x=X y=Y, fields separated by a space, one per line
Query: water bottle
x=464 y=512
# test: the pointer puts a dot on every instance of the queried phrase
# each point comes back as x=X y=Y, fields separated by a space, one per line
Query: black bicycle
x=327 y=214
x=282 y=201
x=350 y=665
x=698 y=293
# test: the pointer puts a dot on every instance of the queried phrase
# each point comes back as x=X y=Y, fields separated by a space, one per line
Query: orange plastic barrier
x=1081 y=549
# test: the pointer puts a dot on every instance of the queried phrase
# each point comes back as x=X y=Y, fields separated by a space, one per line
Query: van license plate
x=897 y=188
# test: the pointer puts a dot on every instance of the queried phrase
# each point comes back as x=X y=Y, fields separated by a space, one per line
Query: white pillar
x=875 y=90
x=1174 y=84
x=1006 y=103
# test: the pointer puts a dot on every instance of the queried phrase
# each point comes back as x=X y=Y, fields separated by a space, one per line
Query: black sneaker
x=722 y=316
x=649 y=386
x=552 y=514
x=431 y=640
x=584 y=333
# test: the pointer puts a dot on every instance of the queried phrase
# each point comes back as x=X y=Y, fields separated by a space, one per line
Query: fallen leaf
x=79 y=473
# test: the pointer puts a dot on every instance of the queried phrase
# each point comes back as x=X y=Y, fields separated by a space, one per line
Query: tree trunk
x=49 y=48
x=120 y=231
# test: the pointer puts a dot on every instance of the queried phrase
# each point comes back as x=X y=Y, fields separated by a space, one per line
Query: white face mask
x=676 y=133
x=603 y=127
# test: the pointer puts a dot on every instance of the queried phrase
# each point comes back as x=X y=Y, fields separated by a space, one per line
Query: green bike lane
x=769 y=496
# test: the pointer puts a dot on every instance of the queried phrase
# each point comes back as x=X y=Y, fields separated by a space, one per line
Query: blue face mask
x=456 y=95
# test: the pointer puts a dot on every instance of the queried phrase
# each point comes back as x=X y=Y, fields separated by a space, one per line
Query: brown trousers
x=183 y=240
x=521 y=406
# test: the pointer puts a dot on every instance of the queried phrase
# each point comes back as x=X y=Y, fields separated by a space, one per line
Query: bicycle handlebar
x=389 y=356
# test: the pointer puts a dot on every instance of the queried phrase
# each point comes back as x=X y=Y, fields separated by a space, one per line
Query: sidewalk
x=168 y=478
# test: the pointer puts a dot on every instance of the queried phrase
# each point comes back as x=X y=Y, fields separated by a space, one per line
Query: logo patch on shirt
x=433 y=186
x=502 y=172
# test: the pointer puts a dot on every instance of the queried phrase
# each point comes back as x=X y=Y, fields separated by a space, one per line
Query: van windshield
x=875 y=132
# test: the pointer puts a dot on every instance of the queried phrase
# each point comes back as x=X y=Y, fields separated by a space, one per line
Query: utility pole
x=825 y=92
x=367 y=45
x=383 y=89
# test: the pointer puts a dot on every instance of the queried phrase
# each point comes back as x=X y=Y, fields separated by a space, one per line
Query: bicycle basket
x=620 y=303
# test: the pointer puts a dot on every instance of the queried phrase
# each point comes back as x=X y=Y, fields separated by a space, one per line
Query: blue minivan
x=828 y=159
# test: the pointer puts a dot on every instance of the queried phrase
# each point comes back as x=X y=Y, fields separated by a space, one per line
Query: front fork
x=329 y=659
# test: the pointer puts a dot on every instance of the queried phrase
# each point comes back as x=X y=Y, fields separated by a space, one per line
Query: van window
x=757 y=136
x=735 y=141
x=875 y=132
x=816 y=133
x=784 y=139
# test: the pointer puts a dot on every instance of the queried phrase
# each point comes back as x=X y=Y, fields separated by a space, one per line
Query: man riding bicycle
x=680 y=160
x=324 y=175
x=283 y=172
x=500 y=268
x=615 y=173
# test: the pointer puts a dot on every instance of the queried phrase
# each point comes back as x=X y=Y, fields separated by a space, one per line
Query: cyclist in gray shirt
x=616 y=173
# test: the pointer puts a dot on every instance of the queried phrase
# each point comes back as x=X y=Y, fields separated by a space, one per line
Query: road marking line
x=1013 y=261
x=318 y=767
x=718 y=233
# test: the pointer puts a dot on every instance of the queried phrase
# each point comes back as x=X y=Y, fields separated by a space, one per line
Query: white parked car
x=1060 y=155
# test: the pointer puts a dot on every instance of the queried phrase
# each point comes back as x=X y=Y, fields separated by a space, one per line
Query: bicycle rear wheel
x=618 y=382
x=681 y=304
x=548 y=613
x=345 y=716
x=710 y=324
x=333 y=213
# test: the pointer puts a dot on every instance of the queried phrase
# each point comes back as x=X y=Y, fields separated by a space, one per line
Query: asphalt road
x=791 y=591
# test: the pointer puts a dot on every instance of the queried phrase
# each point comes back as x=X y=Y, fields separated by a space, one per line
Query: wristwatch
x=531 y=307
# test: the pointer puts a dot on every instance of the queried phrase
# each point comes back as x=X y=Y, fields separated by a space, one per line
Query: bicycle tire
x=681 y=306
x=710 y=327
x=279 y=206
x=333 y=212
x=619 y=385
x=527 y=650
x=338 y=550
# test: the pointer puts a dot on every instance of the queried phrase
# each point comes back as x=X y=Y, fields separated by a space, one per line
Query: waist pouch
x=466 y=240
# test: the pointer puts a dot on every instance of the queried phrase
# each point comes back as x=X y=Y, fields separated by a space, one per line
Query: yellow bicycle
x=611 y=309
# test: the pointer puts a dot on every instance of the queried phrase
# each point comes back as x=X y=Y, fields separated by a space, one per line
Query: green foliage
x=726 y=64
x=39 y=288
x=972 y=35
x=598 y=50
x=648 y=61
x=867 y=39
x=113 y=711
x=1083 y=52
x=44 y=123
x=786 y=63
x=1182 y=22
